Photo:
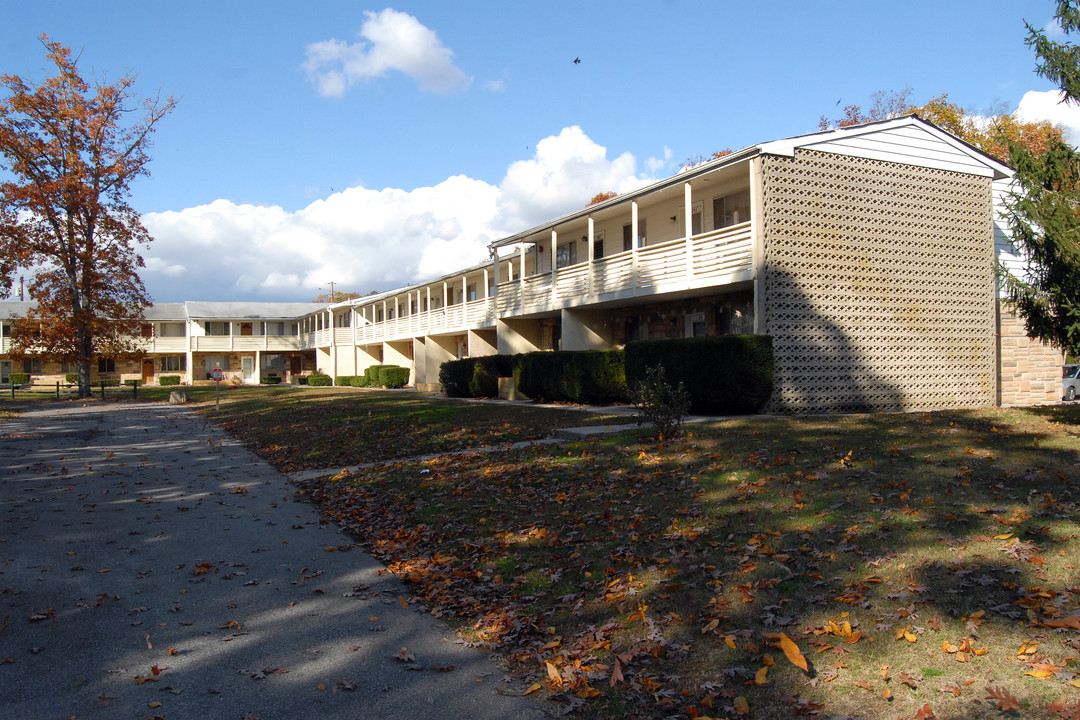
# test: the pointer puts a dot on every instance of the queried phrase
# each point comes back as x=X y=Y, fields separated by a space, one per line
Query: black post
x=57 y=389
x=102 y=389
x=135 y=390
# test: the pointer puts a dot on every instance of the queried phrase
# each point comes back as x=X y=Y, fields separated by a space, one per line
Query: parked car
x=1070 y=381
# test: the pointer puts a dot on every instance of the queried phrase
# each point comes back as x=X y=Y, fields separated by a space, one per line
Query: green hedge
x=456 y=377
x=18 y=378
x=320 y=380
x=344 y=380
x=724 y=375
x=392 y=376
x=486 y=373
x=107 y=382
x=270 y=380
x=72 y=378
x=371 y=375
x=302 y=380
x=589 y=376
x=131 y=383
x=358 y=381
x=169 y=380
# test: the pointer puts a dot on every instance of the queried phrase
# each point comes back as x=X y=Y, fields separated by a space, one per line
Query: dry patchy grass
x=914 y=561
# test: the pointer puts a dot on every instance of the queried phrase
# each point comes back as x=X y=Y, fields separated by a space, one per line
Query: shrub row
x=590 y=376
x=730 y=374
x=270 y=380
x=724 y=375
x=387 y=376
x=18 y=378
x=320 y=380
x=169 y=380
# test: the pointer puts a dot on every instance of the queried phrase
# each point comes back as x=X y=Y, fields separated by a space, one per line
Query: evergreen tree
x=1043 y=208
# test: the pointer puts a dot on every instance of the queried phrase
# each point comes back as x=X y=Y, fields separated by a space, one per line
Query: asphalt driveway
x=151 y=567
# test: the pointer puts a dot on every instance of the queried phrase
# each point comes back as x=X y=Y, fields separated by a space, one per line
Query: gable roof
x=908 y=140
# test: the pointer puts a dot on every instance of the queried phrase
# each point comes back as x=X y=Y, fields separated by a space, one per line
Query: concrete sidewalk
x=136 y=539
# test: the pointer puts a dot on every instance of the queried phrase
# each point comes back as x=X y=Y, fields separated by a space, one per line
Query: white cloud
x=1047 y=105
x=567 y=170
x=495 y=86
x=390 y=41
x=654 y=164
x=363 y=239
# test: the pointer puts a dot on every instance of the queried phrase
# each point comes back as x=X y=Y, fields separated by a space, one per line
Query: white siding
x=911 y=145
x=1004 y=252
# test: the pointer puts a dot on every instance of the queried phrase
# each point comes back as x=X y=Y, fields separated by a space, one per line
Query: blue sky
x=373 y=146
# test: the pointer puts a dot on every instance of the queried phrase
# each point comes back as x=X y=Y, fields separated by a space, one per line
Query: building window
x=695 y=325
x=627 y=231
x=217 y=328
x=731 y=209
x=695 y=219
x=272 y=361
x=378 y=315
x=106 y=365
x=171 y=329
x=598 y=246
x=5 y=329
x=565 y=255
x=470 y=293
x=274 y=328
x=148 y=330
x=32 y=366
x=172 y=363
x=67 y=368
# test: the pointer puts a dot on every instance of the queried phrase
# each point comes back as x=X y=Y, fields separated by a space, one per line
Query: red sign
x=218 y=375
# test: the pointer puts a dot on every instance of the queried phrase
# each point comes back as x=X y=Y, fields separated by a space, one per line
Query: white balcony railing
x=710 y=259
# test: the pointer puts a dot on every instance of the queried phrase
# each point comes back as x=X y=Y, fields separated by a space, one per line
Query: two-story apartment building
x=868 y=253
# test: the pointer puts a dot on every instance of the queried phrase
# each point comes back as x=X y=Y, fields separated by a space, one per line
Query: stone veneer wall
x=1030 y=369
x=878 y=285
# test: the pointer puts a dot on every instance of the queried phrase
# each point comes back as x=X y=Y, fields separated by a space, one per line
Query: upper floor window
x=217 y=328
x=170 y=329
x=566 y=255
x=731 y=209
x=598 y=246
x=627 y=232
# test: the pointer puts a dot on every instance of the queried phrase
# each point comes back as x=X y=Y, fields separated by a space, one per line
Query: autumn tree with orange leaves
x=69 y=151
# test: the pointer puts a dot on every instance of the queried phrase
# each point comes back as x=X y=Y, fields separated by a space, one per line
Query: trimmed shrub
x=724 y=375
x=589 y=376
x=371 y=375
x=344 y=380
x=169 y=380
x=269 y=380
x=486 y=373
x=392 y=376
x=18 y=378
x=320 y=380
x=301 y=380
x=456 y=377
x=72 y=378
x=357 y=381
x=107 y=382
x=131 y=383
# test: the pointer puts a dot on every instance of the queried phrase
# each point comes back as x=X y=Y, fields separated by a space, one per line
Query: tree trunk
x=83 y=362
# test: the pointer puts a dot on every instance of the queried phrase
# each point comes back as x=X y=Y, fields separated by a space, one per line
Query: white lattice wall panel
x=878 y=285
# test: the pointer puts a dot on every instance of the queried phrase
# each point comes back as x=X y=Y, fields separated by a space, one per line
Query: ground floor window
x=106 y=365
x=172 y=363
x=32 y=366
x=68 y=367
x=272 y=361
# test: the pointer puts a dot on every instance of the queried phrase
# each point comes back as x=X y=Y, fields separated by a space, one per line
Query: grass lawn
x=918 y=565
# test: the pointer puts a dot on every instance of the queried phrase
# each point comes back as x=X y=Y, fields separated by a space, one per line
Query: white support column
x=256 y=375
x=592 y=254
x=554 y=254
x=757 y=240
x=521 y=274
x=689 y=210
x=487 y=294
x=633 y=246
x=429 y=315
x=445 y=304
